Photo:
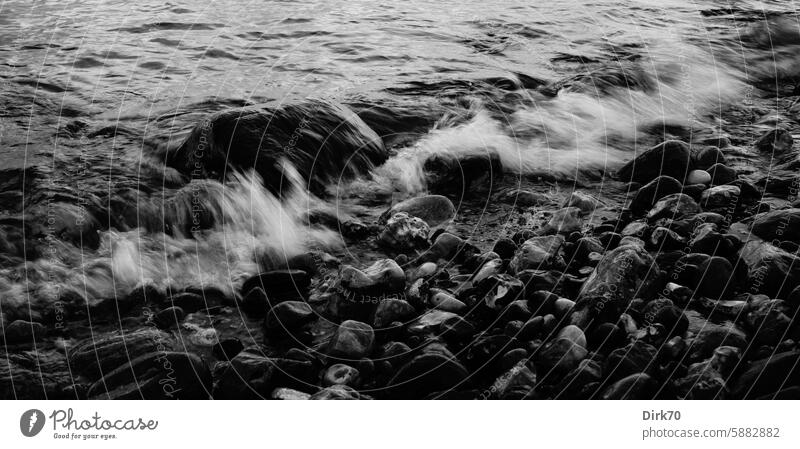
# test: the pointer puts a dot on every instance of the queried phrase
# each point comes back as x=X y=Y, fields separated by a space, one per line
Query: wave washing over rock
x=521 y=205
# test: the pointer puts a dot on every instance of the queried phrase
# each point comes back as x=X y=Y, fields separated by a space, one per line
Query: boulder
x=43 y=374
x=433 y=371
x=671 y=158
x=709 y=157
x=279 y=285
x=723 y=199
x=586 y=203
x=390 y=310
x=637 y=357
x=639 y=386
x=289 y=315
x=323 y=141
x=435 y=210
x=103 y=353
x=252 y=375
x=716 y=278
x=446 y=246
x=712 y=336
x=457 y=174
x=21 y=331
x=772 y=271
x=765 y=378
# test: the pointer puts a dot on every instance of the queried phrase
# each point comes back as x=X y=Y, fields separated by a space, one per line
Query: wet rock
x=637 y=357
x=653 y=191
x=723 y=199
x=501 y=290
x=639 y=229
x=775 y=142
x=456 y=175
x=279 y=285
x=156 y=375
x=432 y=371
x=769 y=321
x=706 y=240
x=711 y=337
x=524 y=198
x=563 y=221
x=169 y=317
x=288 y=394
x=390 y=310
x=664 y=239
x=665 y=313
x=446 y=246
x=563 y=354
x=435 y=210
x=443 y=300
x=227 y=348
x=253 y=375
x=352 y=340
x=68 y=222
x=539 y=253
x=42 y=374
x=430 y=322
x=516 y=383
x=624 y=273
x=189 y=302
x=765 y=378
x=698 y=177
x=772 y=271
x=672 y=158
x=404 y=233
x=383 y=277
x=105 y=352
x=457 y=329
x=255 y=302
x=675 y=206
x=586 y=203
x=582 y=382
x=721 y=174
x=606 y=337
x=21 y=331
x=336 y=392
x=505 y=248
x=778 y=225
x=341 y=374
x=709 y=157
x=326 y=142
x=587 y=245
x=716 y=279
x=639 y=386
x=289 y=315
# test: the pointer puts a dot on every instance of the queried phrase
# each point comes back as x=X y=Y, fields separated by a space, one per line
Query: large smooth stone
x=672 y=158
x=383 y=277
x=435 y=210
x=352 y=340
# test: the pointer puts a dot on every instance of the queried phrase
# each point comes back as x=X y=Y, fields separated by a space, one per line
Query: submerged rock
x=776 y=142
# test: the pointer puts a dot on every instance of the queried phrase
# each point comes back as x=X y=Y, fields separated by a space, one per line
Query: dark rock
x=403 y=232
x=352 y=340
x=392 y=309
x=455 y=175
x=723 y=199
x=252 y=375
x=516 y=383
x=505 y=248
x=383 y=277
x=675 y=206
x=563 y=221
x=653 y=191
x=157 y=375
x=716 y=279
x=672 y=158
x=336 y=392
x=586 y=203
x=255 y=302
x=772 y=271
x=434 y=210
x=637 y=357
x=769 y=322
x=432 y=371
x=775 y=142
x=766 y=377
x=624 y=273
x=289 y=315
x=523 y=198
x=442 y=300
x=721 y=174
x=709 y=157
x=326 y=143
x=663 y=239
x=341 y=374
x=778 y=225
x=42 y=374
x=639 y=386
x=105 y=352
x=280 y=284
x=446 y=246
x=171 y=316
x=539 y=253
x=606 y=337
x=711 y=337
x=227 y=349
x=21 y=331
x=189 y=302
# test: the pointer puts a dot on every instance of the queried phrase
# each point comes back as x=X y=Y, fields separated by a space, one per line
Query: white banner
x=399 y=424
